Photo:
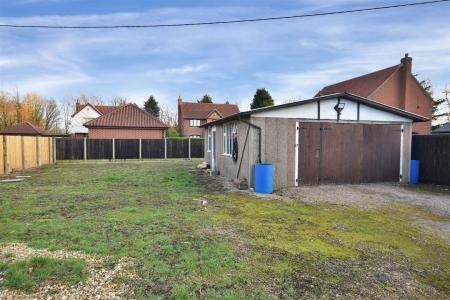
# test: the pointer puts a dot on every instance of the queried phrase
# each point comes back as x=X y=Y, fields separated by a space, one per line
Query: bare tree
x=168 y=116
x=92 y=99
x=52 y=114
x=119 y=101
x=67 y=111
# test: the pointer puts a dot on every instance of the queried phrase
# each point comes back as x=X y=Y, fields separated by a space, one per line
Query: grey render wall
x=224 y=163
x=278 y=148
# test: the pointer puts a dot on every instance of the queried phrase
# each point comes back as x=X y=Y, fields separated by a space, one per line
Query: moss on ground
x=239 y=247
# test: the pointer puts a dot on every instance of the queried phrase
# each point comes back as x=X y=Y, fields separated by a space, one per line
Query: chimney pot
x=179 y=100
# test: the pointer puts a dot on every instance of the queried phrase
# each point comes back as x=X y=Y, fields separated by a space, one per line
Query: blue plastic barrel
x=414 y=178
x=263 y=178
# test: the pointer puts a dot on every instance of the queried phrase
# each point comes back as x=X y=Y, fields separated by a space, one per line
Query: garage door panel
x=348 y=153
x=341 y=149
x=309 y=151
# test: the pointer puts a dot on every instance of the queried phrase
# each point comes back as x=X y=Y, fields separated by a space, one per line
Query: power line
x=227 y=21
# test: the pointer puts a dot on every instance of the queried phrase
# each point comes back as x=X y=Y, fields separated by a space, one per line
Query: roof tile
x=200 y=111
x=129 y=116
x=25 y=128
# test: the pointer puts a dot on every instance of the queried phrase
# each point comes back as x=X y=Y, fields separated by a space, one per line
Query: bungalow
x=337 y=138
x=126 y=122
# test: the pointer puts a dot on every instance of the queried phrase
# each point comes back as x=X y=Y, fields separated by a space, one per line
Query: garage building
x=338 y=138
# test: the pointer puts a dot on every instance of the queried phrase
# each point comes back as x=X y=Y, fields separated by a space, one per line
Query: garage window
x=228 y=132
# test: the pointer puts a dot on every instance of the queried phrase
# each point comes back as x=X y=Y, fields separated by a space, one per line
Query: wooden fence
x=433 y=151
x=24 y=152
x=73 y=149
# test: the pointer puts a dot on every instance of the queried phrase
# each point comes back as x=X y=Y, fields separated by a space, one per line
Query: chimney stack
x=406 y=68
x=77 y=105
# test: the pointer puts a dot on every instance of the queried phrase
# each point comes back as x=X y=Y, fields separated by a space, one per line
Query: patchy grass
x=26 y=274
x=239 y=247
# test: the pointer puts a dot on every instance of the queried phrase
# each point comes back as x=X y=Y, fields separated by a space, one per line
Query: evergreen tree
x=435 y=115
x=206 y=99
x=152 y=106
x=262 y=98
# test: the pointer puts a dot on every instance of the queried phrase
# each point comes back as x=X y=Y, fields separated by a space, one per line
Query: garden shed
x=338 y=138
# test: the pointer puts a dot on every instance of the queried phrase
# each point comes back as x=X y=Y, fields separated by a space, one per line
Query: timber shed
x=337 y=138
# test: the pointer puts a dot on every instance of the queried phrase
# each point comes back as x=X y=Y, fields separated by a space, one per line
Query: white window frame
x=209 y=139
x=194 y=123
x=195 y=136
x=228 y=133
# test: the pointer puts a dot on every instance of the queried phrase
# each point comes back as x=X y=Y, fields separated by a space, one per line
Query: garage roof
x=362 y=100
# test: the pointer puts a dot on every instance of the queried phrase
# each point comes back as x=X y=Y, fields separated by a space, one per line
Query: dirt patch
x=101 y=280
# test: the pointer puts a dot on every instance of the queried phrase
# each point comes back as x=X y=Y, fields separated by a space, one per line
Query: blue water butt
x=414 y=178
x=263 y=178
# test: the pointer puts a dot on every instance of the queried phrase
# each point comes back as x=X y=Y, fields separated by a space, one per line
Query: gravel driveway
x=433 y=198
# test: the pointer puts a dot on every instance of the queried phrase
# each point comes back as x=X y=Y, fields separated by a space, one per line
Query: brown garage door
x=348 y=153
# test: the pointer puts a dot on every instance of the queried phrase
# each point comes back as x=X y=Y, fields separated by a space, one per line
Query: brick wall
x=188 y=130
x=110 y=133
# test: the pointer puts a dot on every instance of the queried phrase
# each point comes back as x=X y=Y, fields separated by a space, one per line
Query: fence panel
x=177 y=148
x=30 y=155
x=99 y=149
x=127 y=149
x=22 y=152
x=2 y=156
x=197 y=148
x=67 y=148
x=433 y=151
x=152 y=148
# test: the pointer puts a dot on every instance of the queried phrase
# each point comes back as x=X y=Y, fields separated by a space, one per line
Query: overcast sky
x=293 y=58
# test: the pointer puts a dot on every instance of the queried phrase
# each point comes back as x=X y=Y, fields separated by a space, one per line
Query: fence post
x=54 y=150
x=5 y=156
x=140 y=149
x=84 y=149
x=113 y=149
x=189 y=147
x=22 y=142
x=38 y=154
x=165 y=148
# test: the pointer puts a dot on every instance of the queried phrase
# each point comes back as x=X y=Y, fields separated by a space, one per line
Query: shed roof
x=368 y=102
x=128 y=116
x=192 y=110
x=25 y=128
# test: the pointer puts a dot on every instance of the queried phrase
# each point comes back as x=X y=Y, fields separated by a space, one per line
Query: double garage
x=339 y=138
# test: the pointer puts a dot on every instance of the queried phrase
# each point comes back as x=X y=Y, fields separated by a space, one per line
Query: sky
x=293 y=59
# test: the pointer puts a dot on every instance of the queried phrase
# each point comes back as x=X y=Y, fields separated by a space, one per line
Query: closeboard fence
x=112 y=149
x=433 y=152
x=23 y=152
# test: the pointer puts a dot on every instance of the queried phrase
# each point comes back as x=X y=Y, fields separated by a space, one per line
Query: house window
x=228 y=133
x=209 y=140
x=194 y=136
x=194 y=123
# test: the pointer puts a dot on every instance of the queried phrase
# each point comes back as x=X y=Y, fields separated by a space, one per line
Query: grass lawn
x=237 y=246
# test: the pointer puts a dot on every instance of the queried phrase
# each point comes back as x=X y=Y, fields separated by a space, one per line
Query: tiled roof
x=362 y=86
x=191 y=110
x=102 y=109
x=128 y=116
x=25 y=128
x=443 y=129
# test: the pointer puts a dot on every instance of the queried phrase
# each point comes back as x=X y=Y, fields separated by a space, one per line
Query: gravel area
x=433 y=198
x=100 y=283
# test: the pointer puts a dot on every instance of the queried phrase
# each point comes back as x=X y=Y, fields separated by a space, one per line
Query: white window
x=194 y=123
x=209 y=140
x=194 y=136
x=228 y=133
